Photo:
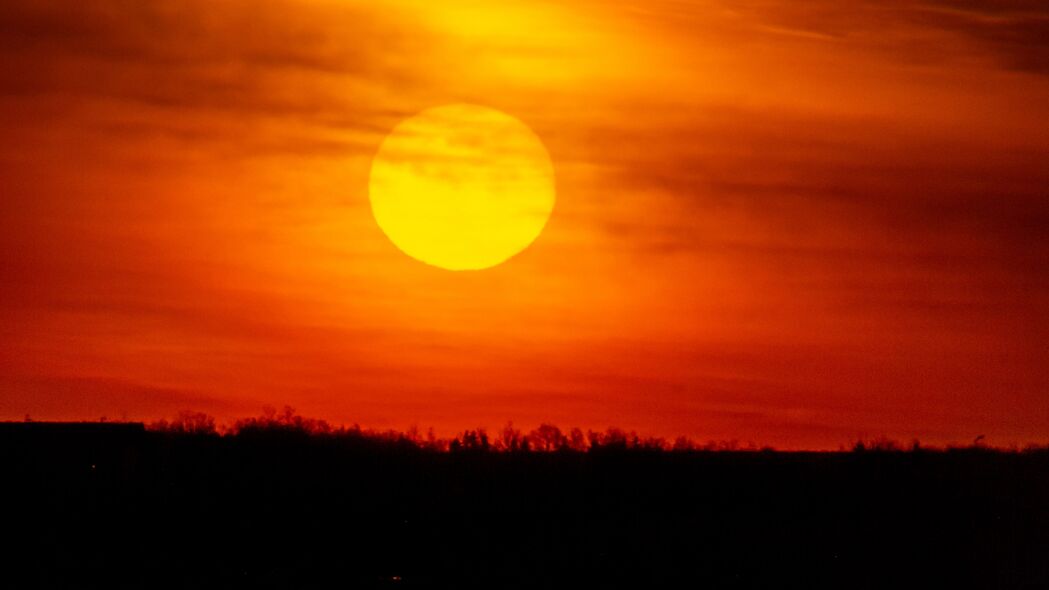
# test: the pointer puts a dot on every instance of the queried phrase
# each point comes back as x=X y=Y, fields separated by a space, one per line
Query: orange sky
x=793 y=225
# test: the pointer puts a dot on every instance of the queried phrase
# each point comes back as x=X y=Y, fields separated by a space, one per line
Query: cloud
x=1013 y=32
x=204 y=72
x=184 y=210
x=66 y=398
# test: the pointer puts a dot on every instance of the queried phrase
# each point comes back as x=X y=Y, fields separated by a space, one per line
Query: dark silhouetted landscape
x=679 y=225
x=286 y=502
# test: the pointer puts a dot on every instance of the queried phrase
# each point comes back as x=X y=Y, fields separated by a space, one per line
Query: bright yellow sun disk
x=462 y=187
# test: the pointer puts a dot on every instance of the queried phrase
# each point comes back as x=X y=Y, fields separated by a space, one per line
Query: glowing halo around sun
x=462 y=187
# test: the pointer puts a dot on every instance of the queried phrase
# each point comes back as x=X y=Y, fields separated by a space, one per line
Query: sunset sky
x=789 y=223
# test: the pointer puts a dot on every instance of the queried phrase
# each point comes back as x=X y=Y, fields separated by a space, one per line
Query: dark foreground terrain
x=117 y=506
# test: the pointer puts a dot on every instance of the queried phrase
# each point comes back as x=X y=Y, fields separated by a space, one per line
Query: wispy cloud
x=771 y=217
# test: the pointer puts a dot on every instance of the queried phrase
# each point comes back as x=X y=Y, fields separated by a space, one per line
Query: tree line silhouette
x=284 y=501
x=545 y=438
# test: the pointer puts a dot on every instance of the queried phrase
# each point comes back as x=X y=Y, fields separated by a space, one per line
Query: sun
x=462 y=187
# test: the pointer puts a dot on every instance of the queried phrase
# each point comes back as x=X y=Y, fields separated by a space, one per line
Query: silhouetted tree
x=577 y=440
x=510 y=439
x=548 y=438
x=286 y=421
x=472 y=440
x=187 y=422
x=683 y=443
